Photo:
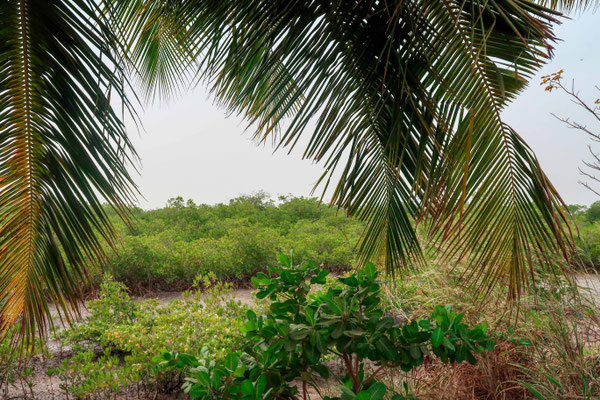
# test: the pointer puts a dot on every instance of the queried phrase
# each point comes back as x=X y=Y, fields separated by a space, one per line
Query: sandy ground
x=590 y=283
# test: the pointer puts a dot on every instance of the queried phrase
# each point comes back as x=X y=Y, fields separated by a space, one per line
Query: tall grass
x=548 y=346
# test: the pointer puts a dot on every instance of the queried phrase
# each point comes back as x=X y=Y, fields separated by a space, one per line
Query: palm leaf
x=569 y=6
x=153 y=44
x=63 y=151
x=403 y=100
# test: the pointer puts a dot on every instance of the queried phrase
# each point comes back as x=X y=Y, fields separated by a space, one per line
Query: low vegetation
x=292 y=346
x=168 y=247
x=115 y=345
x=307 y=332
x=587 y=220
x=548 y=344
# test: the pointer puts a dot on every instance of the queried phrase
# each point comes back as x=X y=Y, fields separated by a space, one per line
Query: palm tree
x=401 y=98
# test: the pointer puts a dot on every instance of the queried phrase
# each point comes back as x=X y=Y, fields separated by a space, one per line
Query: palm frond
x=62 y=149
x=570 y=6
x=406 y=100
x=403 y=99
x=152 y=37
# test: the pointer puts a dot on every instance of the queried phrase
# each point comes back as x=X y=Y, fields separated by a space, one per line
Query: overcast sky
x=191 y=148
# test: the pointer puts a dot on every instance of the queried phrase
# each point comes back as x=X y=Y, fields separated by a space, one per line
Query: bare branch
x=554 y=81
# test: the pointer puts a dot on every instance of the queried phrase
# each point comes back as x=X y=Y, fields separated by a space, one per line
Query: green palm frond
x=403 y=99
x=62 y=150
x=569 y=6
x=153 y=43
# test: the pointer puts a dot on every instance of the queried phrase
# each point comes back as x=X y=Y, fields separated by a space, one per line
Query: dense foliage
x=406 y=99
x=115 y=344
x=168 y=247
x=289 y=347
x=548 y=350
x=131 y=348
x=587 y=221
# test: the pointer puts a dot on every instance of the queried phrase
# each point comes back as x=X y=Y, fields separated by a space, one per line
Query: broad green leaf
x=437 y=337
x=377 y=391
x=387 y=348
x=247 y=388
x=298 y=332
x=261 y=384
x=347 y=393
x=188 y=360
x=309 y=313
x=448 y=344
x=284 y=261
x=203 y=378
x=370 y=270
x=231 y=361
x=312 y=354
x=197 y=391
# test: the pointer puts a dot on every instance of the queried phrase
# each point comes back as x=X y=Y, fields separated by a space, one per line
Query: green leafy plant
x=553 y=334
x=131 y=333
x=15 y=371
x=288 y=349
x=171 y=245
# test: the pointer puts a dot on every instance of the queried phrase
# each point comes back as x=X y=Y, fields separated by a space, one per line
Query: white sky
x=191 y=148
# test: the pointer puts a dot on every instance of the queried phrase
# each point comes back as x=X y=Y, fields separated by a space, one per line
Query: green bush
x=593 y=212
x=326 y=239
x=548 y=340
x=588 y=244
x=586 y=232
x=138 y=331
x=587 y=235
x=170 y=246
x=292 y=342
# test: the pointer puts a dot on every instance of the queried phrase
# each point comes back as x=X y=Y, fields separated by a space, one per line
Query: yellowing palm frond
x=62 y=149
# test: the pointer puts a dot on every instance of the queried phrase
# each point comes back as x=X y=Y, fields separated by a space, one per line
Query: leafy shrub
x=328 y=240
x=552 y=336
x=301 y=330
x=15 y=370
x=84 y=375
x=587 y=236
x=168 y=247
x=139 y=331
x=593 y=212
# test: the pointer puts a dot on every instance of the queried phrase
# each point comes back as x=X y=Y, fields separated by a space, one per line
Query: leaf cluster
x=134 y=332
x=289 y=347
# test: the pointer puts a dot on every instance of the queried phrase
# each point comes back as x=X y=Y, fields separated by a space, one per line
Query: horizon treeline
x=166 y=248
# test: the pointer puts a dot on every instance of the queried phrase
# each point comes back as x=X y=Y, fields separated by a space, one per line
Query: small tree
x=593 y=213
x=288 y=349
